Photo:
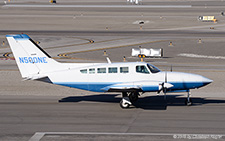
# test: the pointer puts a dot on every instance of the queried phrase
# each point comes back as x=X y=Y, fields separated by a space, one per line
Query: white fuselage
x=102 y=77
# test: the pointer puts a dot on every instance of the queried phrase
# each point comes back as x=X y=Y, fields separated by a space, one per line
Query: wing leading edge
x=148 y=86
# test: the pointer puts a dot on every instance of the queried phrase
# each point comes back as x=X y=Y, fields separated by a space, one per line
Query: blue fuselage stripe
x=97 y=87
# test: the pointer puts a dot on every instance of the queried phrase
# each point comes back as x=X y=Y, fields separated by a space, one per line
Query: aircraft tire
x=124 y=105
x=133 y=97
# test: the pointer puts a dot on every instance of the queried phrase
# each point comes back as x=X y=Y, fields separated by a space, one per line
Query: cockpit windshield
x=153 y=69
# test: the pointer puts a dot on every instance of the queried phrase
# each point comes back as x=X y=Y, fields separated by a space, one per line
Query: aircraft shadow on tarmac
x=147 y=103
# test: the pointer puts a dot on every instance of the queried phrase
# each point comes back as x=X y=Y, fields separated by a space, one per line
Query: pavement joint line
x=98 y=6
x=39 y=135
x=9 y=70
x=4 y=47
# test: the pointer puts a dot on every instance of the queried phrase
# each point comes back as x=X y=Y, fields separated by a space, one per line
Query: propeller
x=164 y=86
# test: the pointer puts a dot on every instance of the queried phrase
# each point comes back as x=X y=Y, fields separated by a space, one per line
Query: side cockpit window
x=142 y=69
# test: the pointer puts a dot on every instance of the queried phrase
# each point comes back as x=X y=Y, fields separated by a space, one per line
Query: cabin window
x=101 y=70
x=141 y=69
x=83 y=71
x=124 y=70
x=91 y=71
x=112 y=70
x=153 y=69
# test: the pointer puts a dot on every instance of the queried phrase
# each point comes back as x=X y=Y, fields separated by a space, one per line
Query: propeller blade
x=164 y=85
x=166 y=77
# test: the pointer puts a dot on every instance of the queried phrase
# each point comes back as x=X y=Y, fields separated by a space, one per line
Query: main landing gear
x=188 y=101
x=131 y=97
x=128 y=99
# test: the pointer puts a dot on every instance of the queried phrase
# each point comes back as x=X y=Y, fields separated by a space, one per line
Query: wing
x=147 y=86
x=121 y=87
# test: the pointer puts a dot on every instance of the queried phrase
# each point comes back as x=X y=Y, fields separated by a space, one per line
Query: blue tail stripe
x=98 y=87
x=19 y=36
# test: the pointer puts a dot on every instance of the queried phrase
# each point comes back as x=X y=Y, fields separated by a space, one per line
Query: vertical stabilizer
x=31 y=59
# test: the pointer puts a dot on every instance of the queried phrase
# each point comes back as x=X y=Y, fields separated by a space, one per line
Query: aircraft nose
x=206 y=81
x=199 y=80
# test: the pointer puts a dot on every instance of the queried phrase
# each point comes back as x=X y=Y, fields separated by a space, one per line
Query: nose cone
x=206 y=81
x=201 y=80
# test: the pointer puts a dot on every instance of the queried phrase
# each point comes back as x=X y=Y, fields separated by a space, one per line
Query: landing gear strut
x=188 y=101
x=127 y=100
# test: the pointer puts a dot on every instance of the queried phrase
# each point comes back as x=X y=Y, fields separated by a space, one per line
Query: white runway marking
x=200 y=56
x=99 y=6
x=39 y=135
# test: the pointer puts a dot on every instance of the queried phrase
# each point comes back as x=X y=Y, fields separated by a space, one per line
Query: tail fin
x=31 y=59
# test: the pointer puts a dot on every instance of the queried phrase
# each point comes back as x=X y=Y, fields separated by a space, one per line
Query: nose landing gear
x=188 y=101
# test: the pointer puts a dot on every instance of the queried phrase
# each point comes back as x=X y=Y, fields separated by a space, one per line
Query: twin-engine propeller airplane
x=129 y=78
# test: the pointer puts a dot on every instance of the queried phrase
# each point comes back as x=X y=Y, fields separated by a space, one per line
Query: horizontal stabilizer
x=35 y=77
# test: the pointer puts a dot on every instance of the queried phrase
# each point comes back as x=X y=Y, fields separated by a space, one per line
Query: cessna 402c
x=129 y=78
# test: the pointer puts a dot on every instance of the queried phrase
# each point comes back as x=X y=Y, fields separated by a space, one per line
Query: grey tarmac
x=31 y=110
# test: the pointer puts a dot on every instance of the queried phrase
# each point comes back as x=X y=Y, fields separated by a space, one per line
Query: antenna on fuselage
x=108 y=60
